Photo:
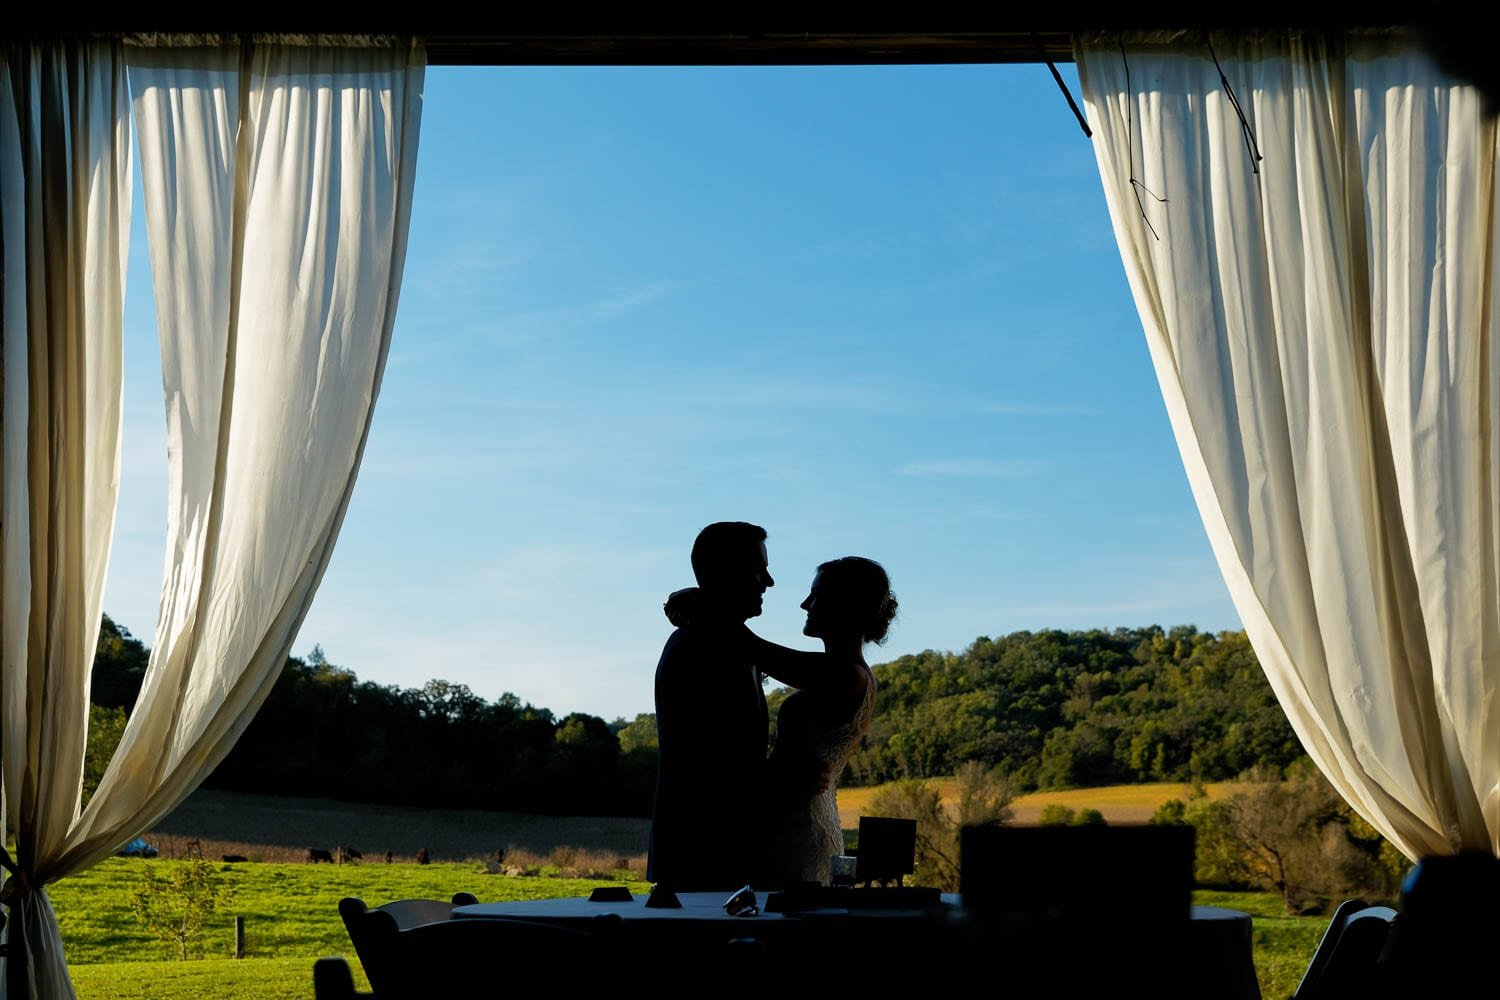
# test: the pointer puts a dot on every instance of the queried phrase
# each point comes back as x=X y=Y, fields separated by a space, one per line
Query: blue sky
x=877 y=310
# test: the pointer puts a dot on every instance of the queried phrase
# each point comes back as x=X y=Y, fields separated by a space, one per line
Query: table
x=897 y=949
x=699 y=908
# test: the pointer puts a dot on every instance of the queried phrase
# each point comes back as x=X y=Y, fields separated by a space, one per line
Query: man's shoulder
x=696 y=634
x=686 y=642
x=696 y=642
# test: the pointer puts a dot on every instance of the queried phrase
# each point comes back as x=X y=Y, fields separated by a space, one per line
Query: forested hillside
x=1065 y=709
x=1050 y=709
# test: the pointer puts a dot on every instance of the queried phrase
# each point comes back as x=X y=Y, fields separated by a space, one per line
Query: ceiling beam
x=750 y=49
x=476 y=39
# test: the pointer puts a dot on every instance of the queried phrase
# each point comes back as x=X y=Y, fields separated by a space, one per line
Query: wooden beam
x=476 y=39
x=804 y=49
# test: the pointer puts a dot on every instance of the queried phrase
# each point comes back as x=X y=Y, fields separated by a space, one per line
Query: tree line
x=324 y=732
x=1046 y=709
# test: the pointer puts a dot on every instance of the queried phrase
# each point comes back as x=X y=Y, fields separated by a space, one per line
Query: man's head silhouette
x=730 y=563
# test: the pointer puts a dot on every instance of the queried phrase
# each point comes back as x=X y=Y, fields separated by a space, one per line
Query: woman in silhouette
x=819 y=725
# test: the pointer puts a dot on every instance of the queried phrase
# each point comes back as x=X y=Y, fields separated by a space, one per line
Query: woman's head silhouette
x=850 y=596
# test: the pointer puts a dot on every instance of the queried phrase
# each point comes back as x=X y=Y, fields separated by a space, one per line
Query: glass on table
x=742 y=904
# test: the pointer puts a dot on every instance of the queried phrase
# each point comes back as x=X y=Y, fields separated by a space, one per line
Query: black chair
x=332 y=980
x=1443 y=938
x=474 y=957
x=1346 y=962
x=373 y=931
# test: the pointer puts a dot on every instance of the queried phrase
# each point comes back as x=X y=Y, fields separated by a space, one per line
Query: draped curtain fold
x=278 y=182
x=64 y=230
x=1312 y=251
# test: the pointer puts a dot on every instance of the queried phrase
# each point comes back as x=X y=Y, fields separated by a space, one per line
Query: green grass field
x=290 y=907
x=291 y=919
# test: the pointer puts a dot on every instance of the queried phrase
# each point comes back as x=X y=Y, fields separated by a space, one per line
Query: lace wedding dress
x=815 y=736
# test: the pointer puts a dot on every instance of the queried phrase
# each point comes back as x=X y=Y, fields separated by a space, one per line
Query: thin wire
x=1042 y=51
x=1135 y=185
x=1246 y=132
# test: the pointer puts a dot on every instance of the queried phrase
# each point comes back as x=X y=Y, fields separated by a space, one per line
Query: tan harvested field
x=1120 y=804
x=281 y=829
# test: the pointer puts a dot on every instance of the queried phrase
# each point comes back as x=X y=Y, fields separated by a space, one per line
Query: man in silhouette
x=711 y=723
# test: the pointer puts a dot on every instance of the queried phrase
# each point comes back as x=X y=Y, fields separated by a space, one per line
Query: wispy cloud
x=1086 y=610
x=515 y=573
x=886 y=394
x=425 y=339
x=633 y=299
x=533 y=324
x=974 y=468
x=1012 y=409
x=467 y=269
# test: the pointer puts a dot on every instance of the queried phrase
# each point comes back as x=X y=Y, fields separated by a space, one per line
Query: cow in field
x=348 y=854
x=233 y=858
x=316 y=854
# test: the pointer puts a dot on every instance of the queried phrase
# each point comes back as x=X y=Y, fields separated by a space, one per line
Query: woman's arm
x=798 y=668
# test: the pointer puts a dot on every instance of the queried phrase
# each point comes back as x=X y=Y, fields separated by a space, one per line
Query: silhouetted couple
x=728 y=814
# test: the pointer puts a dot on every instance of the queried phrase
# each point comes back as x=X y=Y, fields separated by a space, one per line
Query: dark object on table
x=1111 y=904
x=887 y=850
x=610 y=894
x=663 y=899
x=1024 y=874
x=743 y=903
x=1346 y=962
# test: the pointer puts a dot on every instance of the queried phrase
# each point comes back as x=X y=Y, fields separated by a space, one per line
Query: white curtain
x=64 y=229
x=278 y=183
x=1322 y=322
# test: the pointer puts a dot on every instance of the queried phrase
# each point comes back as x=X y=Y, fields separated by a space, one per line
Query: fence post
x=239 y=937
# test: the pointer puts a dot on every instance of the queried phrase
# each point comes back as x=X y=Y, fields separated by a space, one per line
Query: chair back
x=1347 y=960
x=332 y=980
x=409 y=913
x=1308 y=986
x=375 y=933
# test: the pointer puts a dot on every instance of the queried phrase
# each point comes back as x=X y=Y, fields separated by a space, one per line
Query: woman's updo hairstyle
x=865 y=591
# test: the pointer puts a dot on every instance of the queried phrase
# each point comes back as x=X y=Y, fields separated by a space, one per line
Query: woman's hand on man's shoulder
x=682 y=606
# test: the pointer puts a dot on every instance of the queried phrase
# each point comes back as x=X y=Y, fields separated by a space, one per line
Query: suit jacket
x=712 y=728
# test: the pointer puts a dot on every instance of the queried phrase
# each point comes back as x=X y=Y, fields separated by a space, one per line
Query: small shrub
x=1055 y=814
x=1172 y=812
x=174 y=907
